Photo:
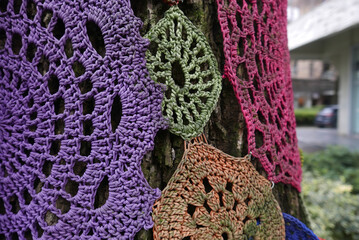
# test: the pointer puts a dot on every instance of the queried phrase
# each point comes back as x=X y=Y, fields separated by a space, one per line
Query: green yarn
x=180 y=57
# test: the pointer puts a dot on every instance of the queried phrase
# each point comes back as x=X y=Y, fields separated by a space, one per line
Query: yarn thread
x=180 y=57
x=296 y=230
x=76 y=116
x=215 y=196
x=257 y=65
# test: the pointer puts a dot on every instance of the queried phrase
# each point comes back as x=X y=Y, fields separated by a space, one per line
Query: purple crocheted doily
x=62 y=133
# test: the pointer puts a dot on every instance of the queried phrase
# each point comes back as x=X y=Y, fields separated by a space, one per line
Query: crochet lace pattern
x=296 y=230
x=257 y=64
x=215 y=196
x=76 y=116
x=180 y=57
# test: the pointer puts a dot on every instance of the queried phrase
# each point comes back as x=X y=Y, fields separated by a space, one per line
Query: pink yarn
x=257 y=64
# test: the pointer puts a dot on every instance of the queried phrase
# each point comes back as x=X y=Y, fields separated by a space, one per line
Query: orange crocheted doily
x=216 y=196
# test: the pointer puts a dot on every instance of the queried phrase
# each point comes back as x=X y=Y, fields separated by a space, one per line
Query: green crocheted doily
x=180 y=57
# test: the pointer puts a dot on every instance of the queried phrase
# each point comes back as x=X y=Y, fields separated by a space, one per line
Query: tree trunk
x=226 y=129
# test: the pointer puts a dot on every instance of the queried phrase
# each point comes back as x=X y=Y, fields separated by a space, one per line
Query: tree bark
x=226 y=129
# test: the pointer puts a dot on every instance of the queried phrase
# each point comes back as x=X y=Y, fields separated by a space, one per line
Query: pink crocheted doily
x=257 y=64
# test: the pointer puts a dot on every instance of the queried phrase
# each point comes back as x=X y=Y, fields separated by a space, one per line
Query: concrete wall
x=339 y=49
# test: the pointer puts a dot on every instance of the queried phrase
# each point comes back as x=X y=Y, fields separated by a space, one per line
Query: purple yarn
x=296 y=230
x=31 y=141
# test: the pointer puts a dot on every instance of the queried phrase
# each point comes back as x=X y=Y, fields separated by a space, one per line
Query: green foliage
x=330 y=191
x=335 y=162
x=333 y=210
x=306 y=116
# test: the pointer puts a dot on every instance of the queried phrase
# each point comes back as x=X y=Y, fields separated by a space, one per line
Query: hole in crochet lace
x=220 y=197
x=153 y=48
x=31 y=9
x=116 y=113
x=15 y=206
x=96 y=38
x=186 y=238
x=43 y=66
x=259 y=138
x=269 y=157
x=53 y=84
x=59 y=105
x=63 y=205
x=28 y=235
x=16 y=43
x=14 y=236
x=33 y=116
x=235 y=206
x=102 y=193
x=27 y=196
x=207 y=185
x=59 y=126
x=258 y=62
x=78 y=68
x=191 y=209
x=168 y=93
x=79 y=168
x=30 y=51
x=39 y=230
x=2 y=38
x=4 y=171
x=17 y=6
x=240 y=51
x=207 y=207
x=250 y=93
x=59 y=28
x=69 y=51
x=55 y=147
x=224 y=236
x=3 y=5
x=2 y=207
x=88 y=106
x=87 y=127
x=261 y=117
x=46 y=168
x=72 y=187
x=229 y=186
x=177 y=74
x=46 y=18
x=85 y=148
x=85 y=86
x=50 y=218
x=267 y=97
x=248 y=199
x=279 y=126
x=38 y=185
x=255 y=83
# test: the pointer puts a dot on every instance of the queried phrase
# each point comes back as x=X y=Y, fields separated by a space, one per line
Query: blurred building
x=330 y=32
x=314 y=83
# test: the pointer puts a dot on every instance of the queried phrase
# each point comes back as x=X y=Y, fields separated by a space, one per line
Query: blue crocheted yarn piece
x=296 y=230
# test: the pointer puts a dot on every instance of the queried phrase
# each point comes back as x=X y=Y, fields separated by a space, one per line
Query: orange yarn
x=216 y=196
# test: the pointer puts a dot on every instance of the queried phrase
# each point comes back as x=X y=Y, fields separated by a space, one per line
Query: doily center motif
x=215 y=196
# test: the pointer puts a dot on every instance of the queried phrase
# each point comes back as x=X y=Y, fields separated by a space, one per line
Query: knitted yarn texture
x=215 y=196
x=78 y=111
x=296 y=230
x=257 y=65
x=180 y=57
